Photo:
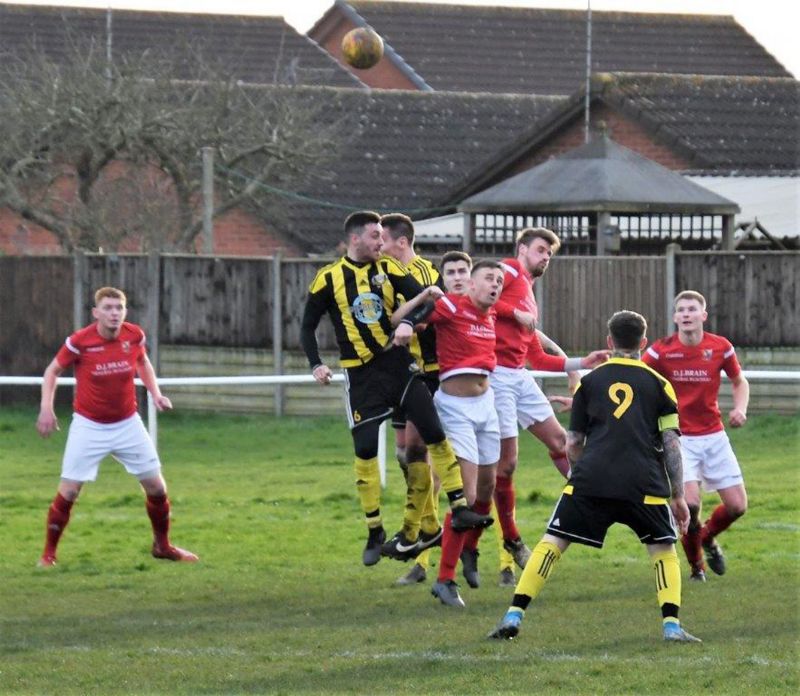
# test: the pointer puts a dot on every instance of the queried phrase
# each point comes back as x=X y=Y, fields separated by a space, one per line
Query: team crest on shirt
x=126 y=346
x=378 y=280
x=368 y=308
x=708 y=353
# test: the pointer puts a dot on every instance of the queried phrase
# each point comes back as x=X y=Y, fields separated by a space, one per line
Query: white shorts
x=710 y=459
x=89 y=442
x=518 y=399
x=470 y=423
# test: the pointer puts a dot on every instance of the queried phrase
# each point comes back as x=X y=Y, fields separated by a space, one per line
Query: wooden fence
x=754 y=299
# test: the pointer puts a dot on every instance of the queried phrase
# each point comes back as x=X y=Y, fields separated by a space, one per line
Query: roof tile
x=254 y=49
x=542 y=51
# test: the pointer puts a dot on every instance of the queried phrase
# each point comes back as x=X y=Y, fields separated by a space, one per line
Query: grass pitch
x=280 y=602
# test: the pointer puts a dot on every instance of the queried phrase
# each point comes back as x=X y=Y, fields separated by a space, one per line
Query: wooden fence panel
x=128 y=272
x=297 y=276
x=579 y=294
x=753 y=298
x=216 y=301
x=35 y=318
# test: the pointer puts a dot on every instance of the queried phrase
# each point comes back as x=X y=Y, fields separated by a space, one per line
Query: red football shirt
x=695 y=372
x=104 y=369
x=465 y=337
x=512 y=337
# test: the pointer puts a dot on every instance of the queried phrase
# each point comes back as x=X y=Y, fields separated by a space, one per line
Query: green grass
x=281 y=603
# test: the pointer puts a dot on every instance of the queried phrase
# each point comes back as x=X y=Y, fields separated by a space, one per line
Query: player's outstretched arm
x=595 y=358
x=737 y=416
x=417 y=308
x=47 y=423
x=562 y=403
x=148 y=376
x=550 y=346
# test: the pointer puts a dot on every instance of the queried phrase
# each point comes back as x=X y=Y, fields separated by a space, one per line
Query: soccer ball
x=362 y=48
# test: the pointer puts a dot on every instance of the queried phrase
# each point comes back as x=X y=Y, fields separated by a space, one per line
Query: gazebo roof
x=601 y=176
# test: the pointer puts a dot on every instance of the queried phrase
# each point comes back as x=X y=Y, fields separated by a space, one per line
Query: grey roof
x=542 y=51
x=257 y=50
x=721 y=126
x=729 y=125
x=599 y=176
x=403 y=151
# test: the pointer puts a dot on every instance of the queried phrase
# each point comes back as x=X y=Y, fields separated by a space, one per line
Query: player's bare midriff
x=465 y=385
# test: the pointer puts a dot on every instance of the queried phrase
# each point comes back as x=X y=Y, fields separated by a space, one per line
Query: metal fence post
x=78 y=289
x=208 y=199
x=277 y=329
x=152 y=419
x=153 y=315
x=670 y=281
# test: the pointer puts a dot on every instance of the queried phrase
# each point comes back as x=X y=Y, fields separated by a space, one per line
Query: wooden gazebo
x=600 y=198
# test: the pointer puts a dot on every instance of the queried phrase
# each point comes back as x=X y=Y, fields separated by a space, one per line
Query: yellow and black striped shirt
x=423 y=343
x=360 y=299
x=622 y=407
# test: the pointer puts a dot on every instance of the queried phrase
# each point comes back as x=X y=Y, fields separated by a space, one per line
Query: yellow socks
x=668 y=577
x=368 y=485
x=538 y=569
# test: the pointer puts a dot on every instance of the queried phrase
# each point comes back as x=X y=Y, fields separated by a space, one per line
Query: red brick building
x=467 y=96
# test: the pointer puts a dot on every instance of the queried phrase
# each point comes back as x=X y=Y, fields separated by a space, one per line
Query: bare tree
x=97 y=153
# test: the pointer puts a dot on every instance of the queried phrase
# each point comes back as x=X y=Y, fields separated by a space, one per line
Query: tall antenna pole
x=109 y=44
x=588 y=70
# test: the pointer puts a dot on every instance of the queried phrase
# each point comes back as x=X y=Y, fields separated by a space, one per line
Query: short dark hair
x=398 y=225
x=453 y=256
x=627 y=329
x=356 y=221
x=527 y=235
x=486 y=263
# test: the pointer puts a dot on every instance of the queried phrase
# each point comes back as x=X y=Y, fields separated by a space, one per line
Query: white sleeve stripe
x=650 y=351
x=69 y=345
x=728 y=353
x=449 y=304
x=509 y=269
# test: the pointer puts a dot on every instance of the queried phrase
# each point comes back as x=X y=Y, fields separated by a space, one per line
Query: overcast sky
x=774 y=23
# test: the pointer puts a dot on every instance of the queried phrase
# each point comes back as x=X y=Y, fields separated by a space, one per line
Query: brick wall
x=238 y=233
x=19 y=237
x=619 y=128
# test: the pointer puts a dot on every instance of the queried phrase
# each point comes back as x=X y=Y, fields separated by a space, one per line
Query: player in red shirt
x=465 y=348
x=105 y=356
x=518 y=399
x=692 y=360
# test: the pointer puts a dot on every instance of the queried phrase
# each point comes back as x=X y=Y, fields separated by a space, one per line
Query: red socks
x=57 y=519
x=692 y=547
x=719 y=521
x=505 y=501
x=158 y=512
x=452 y=545
x=472 y=536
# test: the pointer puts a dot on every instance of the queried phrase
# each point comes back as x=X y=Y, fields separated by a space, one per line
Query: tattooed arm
x=674 y=466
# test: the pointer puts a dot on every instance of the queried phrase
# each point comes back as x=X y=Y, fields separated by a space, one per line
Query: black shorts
x=374 y=390
x=585 y=519
x=431 y=380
